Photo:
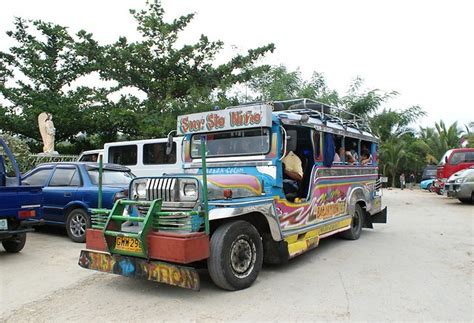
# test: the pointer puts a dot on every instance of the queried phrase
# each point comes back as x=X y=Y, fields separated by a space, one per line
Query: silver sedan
x=461 y=186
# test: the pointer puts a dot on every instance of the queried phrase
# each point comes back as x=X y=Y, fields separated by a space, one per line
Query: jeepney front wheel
x=236 y=255
x=15 y=244
x=356 y=225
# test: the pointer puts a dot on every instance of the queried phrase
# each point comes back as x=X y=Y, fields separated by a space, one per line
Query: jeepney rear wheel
x=76 y=225
x=356 y=225
x=15 y=244
x=236 y=255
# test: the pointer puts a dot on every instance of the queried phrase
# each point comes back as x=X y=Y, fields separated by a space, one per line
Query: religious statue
x=48 y=132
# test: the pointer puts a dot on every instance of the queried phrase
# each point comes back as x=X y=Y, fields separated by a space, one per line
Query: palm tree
x=440 y=139
x=392 y=155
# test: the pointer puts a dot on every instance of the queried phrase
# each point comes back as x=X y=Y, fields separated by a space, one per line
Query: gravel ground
x=417 y=267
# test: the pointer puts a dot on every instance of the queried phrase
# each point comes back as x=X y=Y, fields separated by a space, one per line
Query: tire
x=76 y=224
x=468 y=200
x=356 y=225
x=236 y=255
x=15 y=244
x=429 y=188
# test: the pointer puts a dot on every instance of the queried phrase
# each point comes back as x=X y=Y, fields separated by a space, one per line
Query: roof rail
x=319 y=110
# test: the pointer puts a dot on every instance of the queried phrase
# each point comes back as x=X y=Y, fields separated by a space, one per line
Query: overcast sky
x=422 y=49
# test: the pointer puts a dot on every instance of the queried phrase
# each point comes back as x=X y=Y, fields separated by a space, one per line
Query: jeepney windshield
x=233 y=143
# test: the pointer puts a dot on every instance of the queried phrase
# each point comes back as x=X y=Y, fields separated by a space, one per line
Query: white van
x=90 y=155
x=146 y=157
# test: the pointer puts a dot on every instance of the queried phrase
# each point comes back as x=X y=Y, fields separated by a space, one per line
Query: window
x=123 y=155
x=469 y=157
x=65 y=177
x=444 y=159
x=38 y=178
x=351 y=155
x=90 y=158
x=110 y=177
x=366 y=157
x=233 y=143
x=155 y=154
x=458 y=158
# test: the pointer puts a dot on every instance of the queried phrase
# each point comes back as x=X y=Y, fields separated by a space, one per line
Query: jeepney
x=228 y=208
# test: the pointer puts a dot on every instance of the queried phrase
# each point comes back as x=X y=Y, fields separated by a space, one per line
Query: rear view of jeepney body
x=229 y=208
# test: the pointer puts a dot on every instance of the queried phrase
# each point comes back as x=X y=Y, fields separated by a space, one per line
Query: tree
x=38 y=74
x=390 y=123
x=174 y=79
x=280 y=84
x=392 y=155
x=440 y=139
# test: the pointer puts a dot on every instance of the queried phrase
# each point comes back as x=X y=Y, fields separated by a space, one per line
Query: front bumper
x=158 y=271
x=458 y=190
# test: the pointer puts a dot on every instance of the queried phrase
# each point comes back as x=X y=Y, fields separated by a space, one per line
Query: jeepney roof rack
x=319 y=110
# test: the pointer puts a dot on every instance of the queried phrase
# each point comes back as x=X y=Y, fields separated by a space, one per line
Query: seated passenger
x=349 y=158
x=338 y=155
x=293 y=173
x=366 y=158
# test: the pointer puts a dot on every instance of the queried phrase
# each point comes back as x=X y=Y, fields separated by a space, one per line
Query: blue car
x=70 y=189
x=427 y=184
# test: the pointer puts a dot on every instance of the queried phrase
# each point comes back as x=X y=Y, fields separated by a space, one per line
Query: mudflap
x=161 y=272
x=380 y=217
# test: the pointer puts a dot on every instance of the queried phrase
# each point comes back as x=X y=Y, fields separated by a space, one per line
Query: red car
x=453 y=161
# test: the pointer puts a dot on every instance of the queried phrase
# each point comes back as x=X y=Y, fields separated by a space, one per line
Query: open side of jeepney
x=229 y=207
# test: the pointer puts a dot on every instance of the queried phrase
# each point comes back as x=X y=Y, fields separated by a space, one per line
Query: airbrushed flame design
x=328 y=199
x=237 y=181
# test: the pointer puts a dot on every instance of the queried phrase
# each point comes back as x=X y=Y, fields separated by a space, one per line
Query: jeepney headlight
x=188 y=190
x=139 y=189
x=460 y=180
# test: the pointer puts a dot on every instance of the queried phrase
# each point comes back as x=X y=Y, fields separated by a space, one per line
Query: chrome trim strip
x=315 y=226
x=239 y=203
x=31 y=206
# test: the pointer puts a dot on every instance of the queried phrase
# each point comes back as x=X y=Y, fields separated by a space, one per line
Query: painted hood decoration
x=240 y=184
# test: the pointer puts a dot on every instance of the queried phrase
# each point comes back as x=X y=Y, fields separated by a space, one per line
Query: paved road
x=417 y=267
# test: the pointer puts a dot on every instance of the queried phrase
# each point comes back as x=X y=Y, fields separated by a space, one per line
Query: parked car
x=20 y=206
x=71 y=188
x=453 y=161
x=429 y=172
x=427 y=184
x=461 y=185
x=90 y=155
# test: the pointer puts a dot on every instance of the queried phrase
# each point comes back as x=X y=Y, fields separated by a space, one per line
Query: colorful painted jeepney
x=230 y=206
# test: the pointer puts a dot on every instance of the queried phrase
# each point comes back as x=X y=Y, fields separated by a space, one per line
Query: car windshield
x=233 y=143
x=442 y=161
x=110 y=177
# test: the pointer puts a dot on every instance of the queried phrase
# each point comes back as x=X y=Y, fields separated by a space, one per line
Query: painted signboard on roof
x=259 y=115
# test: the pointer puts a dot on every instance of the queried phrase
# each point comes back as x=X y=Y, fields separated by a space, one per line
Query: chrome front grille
x=378 y=184
x=161 y=188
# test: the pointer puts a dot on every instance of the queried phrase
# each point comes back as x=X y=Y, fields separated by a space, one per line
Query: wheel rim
x=78 y=225
x=243 y=254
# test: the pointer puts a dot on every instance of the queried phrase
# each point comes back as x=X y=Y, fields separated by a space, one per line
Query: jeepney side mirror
x=169 y=144
x=446 y=159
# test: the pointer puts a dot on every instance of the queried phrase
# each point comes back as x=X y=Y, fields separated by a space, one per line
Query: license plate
x=3 y=224
x=127 y=244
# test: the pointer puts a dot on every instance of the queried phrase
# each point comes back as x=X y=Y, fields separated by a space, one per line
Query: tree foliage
x=37 y=74
x=174 y=79
x=43 y=71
